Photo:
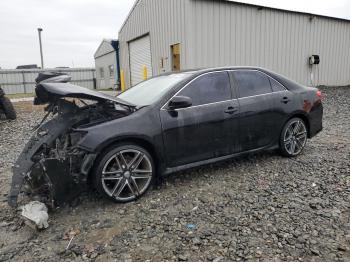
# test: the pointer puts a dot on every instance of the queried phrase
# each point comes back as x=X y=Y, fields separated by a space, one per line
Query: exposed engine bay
x=52 y=168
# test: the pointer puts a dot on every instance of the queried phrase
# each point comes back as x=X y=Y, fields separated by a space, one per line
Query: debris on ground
x=36 y=212
x=191 y=226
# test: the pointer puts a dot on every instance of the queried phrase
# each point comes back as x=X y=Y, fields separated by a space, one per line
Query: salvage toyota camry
x=165 y=124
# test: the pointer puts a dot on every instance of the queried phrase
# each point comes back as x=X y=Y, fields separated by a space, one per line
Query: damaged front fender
x=35 y=161
x=53 y=163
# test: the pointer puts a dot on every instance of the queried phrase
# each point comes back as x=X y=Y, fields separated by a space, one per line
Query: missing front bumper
x=52 y=181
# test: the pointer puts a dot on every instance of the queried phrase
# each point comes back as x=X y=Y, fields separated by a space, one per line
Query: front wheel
x=293 y=137
x=124 y=173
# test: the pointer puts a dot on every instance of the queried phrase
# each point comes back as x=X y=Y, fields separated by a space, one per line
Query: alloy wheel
x=127 y=174
x=295 y=137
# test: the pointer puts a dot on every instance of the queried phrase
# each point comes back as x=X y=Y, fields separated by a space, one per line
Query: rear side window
x=252 y=83
x=276 y=87
x=209 y=88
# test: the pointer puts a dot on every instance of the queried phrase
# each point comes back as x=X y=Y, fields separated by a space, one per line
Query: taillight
x=319 y=95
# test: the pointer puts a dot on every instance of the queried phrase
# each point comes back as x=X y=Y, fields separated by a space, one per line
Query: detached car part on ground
x=6 y=106
x=165 y=124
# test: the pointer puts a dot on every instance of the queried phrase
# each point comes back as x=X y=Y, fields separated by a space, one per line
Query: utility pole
x=41 y=48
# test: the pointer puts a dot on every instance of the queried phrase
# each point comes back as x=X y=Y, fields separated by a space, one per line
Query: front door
x=204 y=130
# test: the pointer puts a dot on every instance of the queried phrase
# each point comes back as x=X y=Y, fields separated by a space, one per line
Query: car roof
x=210 y=69
x=288 y=83
x=199 y=71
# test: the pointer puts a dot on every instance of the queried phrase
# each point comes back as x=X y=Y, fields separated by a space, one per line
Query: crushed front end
x=52 y=167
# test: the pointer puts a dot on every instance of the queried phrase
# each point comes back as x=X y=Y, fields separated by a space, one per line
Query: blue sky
x=73 y=29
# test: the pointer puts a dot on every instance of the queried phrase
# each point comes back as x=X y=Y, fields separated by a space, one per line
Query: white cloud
x=72 y=30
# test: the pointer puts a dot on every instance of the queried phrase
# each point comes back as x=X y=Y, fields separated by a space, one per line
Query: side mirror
x=179 y=102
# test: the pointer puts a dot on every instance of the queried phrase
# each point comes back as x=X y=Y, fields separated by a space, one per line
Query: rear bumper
x=315 y=119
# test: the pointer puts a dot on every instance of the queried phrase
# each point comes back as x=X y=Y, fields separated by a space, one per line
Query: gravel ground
x=261 y=207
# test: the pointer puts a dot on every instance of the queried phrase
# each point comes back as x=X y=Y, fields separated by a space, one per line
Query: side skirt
x=171 y=170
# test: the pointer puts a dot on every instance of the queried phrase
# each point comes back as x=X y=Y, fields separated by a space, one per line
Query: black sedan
x=165 y=124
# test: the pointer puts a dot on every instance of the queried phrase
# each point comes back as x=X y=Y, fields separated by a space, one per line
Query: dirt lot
x=261 y=207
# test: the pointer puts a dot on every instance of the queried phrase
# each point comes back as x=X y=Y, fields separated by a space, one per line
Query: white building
x=168 y=35
x=106 y=63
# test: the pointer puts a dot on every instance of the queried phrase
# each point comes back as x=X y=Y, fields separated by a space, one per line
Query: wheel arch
x=142 y=142
x=302 y=116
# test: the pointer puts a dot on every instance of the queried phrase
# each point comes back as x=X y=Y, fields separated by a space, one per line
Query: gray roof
x=107 y=46
x=259 y=7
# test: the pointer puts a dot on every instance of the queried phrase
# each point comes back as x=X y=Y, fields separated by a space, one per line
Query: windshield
x=149 y=91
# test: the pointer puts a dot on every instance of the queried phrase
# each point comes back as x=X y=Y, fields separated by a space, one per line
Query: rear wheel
x=293 y=137
x=124 y=173
x=8 y=108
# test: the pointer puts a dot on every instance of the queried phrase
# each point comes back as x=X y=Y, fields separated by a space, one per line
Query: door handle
x=285 y=100
x=230 y=110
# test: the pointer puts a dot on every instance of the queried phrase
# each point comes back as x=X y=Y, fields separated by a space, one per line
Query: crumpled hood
x=47 y=92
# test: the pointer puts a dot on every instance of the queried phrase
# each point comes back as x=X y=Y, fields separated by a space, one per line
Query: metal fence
x=19 y=81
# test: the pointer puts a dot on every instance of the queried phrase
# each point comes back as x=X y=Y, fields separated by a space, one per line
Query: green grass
x=12 y=96
x=104 y=89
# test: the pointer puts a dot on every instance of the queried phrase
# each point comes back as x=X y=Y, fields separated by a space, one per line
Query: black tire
x=294 y=133
x=8 y=108
x=108 y=160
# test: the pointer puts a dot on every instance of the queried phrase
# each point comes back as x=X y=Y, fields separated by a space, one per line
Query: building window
x=111 y=71
x=102 y=72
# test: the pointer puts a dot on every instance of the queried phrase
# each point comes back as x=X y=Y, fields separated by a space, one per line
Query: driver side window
x=209 y=88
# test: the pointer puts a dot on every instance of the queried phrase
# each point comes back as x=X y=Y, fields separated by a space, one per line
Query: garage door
x=140 y=55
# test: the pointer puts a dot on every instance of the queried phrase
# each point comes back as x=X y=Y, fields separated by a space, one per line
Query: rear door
x=284 y=104
x=204 y=130
x=256 y=119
